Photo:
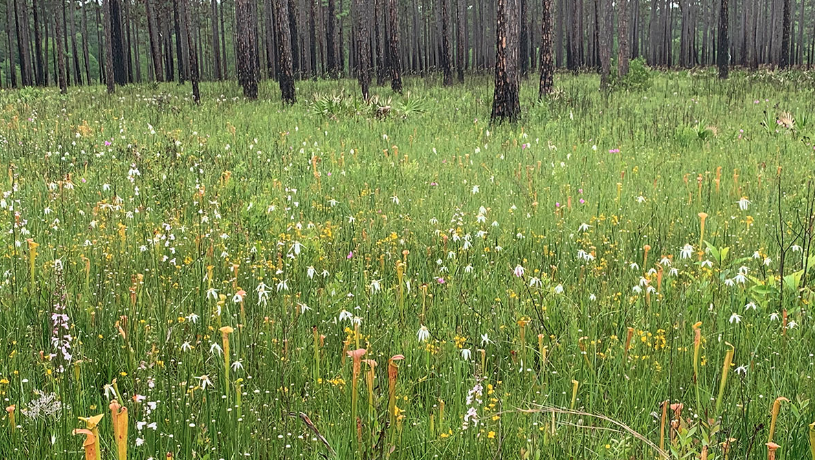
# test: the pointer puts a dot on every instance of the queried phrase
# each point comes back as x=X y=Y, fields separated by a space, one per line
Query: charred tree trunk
x=786 y=34
x=606 y=27
x=216 y=41
x=623 y=53
x=445 y=43
x=10 y=33
x=523 y=46
x=331 y=38
x=86 y=55
x=62 y=76
x=724 y=42
x=363 y=53
x=117 y=44
x=246 y=59
x=295 y=42
x=547 y=64
x=196 y=94
x=506 y=104
x=74 y=48
x=461 y=42
x=155 y=44
x=284 y=65
x=395 y=60
x=23 y=41
x=179 y=48
x=312 y=37
x=378 y=45
x=40 y=72
x=109 y=72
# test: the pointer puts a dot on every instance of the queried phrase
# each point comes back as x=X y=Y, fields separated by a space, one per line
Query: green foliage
x=335 y=214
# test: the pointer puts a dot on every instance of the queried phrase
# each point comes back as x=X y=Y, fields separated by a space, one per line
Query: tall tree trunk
x=40 y=73
x=74 y=48
x=786 y=34
x=61 y=71
x=216 y=41
x=547 y=65
x=606 y=33
x=179 y=47
x=117 y=44
x=623 y=53
x=799 y=53
x=284 y=64
x=246 y=60
x=155 y=41
x=394 y=60
x=445 y=43
x=196 y=94
x=363 y=52
x=506 y=103
x=23 y=41
x=724 y=41
x=224 y=53
x=295 y=42
x=11 y=32
x=271 y=47
x=461 y=49
x=752 y=57
x=331 y=38
x=523 y=46
x=86 y=54
x=110 y=77
x=312 y=37
x=377 y=43
x=559 y=33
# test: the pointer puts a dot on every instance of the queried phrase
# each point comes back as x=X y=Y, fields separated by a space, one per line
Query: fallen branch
x=624 y=427
x=316 y=432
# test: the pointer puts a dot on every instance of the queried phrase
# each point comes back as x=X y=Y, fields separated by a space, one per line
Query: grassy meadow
x=602 y=280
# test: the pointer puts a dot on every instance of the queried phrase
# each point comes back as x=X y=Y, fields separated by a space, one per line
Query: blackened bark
x=606 y=26
x=547 y=64
x=724 y=42
x=784 y=62
x=445 y=32
x=461 y=42
x=40 y=71
x=247 y=76
x=524 y=39
x=10 y=34
x=312 y=37
x=363 y=53
x=284 y=65
x=110 y=77
x=23 y=43
x=61 y=71
x=74 y=48
x=155 y=44
x=506 y=104
x=623 y=53
x=216 y=41
x=179 y=48
x=295 y=42
x=330 y=36
x=86 y=55
x=196 y=94
x=116 y=44
x=395 y=59
x=378 y=60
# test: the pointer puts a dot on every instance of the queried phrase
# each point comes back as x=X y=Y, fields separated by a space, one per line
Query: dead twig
x=316 y=432
x=624 y=427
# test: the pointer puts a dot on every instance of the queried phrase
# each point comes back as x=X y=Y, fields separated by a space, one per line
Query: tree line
x=116 y=42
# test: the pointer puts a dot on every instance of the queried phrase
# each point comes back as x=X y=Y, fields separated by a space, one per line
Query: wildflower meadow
x=618 y=275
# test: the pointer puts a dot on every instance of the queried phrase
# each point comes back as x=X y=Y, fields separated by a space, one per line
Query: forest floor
x=619 y=275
